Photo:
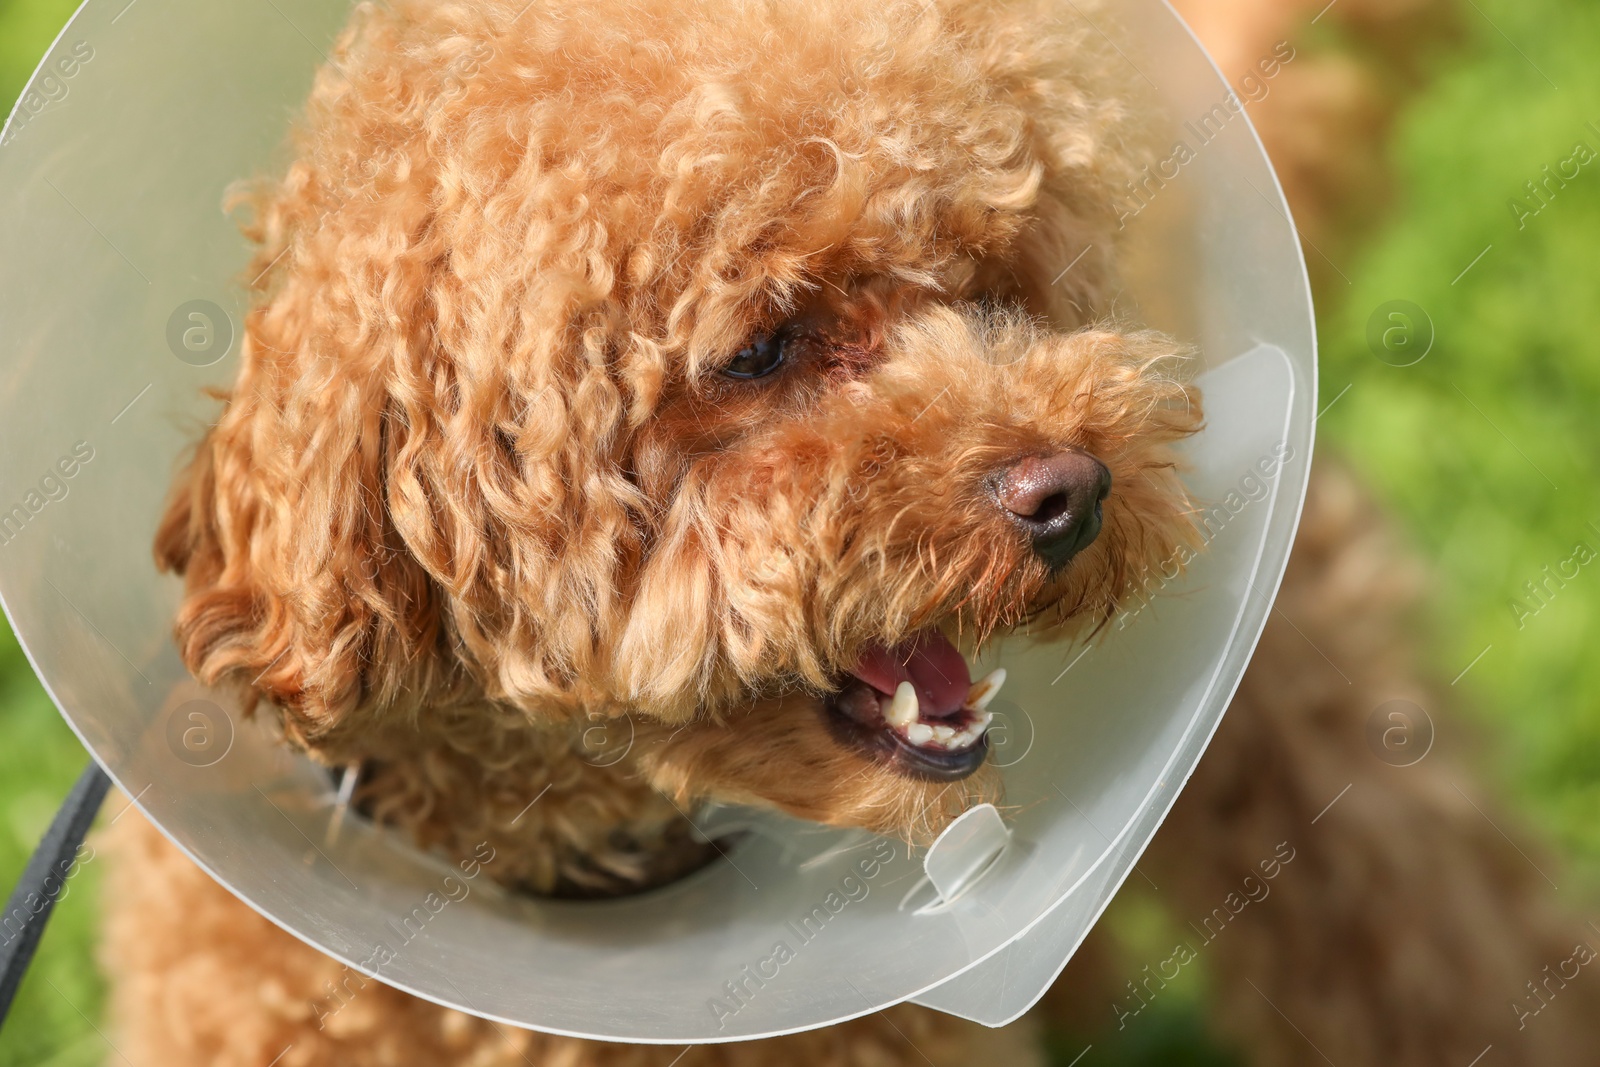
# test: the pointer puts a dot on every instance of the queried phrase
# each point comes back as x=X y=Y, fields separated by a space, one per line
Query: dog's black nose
x=1056 y=501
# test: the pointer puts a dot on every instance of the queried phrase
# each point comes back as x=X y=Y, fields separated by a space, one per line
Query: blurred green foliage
x=63 y=992
x=26 y=29
x=40 y=757
x=1488 y=449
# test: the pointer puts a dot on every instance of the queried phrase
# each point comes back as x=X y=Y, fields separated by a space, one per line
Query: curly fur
x=477 y=453
x=478 y=483
x=478 y=488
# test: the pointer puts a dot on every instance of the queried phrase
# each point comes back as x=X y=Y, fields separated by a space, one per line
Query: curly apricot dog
x=623 y=364
x=703 y=362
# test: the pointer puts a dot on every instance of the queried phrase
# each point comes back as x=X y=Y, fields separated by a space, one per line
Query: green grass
x=1488 y=450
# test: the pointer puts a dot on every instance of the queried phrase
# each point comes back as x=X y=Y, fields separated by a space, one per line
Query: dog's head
x=719 y=363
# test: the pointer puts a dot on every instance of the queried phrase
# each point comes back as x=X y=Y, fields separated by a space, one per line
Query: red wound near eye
x=929 y=662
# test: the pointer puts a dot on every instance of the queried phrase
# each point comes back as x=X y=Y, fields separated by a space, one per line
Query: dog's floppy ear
x=297 y=586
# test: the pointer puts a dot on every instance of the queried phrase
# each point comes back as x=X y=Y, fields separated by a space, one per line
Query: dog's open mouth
x=915 y=705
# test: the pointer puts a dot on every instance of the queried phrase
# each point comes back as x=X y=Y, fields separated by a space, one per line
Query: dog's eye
x=759 y=358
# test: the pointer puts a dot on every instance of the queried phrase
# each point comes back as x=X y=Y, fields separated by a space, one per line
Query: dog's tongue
x=930 y=663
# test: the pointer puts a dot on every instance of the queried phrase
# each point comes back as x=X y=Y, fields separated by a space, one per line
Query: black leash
x=43 y=880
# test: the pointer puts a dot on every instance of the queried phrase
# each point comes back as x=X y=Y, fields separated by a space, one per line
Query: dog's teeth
x=978 y=696
x=903 y=708
x=972 y=733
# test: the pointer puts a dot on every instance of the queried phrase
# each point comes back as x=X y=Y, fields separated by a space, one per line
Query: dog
x=705 y=364
x=616 y=365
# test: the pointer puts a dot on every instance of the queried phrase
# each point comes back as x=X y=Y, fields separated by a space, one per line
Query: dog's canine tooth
x=978 y=696
x=919 y=733
x=902 y=711
x=973 y=732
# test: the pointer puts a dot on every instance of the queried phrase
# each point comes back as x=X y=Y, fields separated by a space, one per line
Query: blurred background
x=1455 y=167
